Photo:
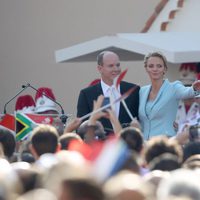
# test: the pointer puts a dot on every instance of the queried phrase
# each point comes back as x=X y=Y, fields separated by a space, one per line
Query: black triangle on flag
x=19 y=126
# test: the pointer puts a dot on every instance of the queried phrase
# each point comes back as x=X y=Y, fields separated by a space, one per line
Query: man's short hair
x=165 y=162
x=99 y=131
x=83 y=189
x=44 y=139
x=66 y=138
x=133 y=138
x=160 y=145
x=7 y=140
x=100 y=58
x=101 y=55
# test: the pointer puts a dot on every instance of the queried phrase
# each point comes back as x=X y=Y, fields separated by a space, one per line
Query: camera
x=106 y=101
x=125 y=125
x=194 y=133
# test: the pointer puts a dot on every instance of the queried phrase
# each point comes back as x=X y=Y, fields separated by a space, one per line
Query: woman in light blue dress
x=159 y=100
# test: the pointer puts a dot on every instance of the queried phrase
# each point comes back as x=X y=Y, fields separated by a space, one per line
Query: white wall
x=186 y=18
x=30 y=32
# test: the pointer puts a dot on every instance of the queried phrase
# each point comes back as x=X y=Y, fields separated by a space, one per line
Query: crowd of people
x=133 y=148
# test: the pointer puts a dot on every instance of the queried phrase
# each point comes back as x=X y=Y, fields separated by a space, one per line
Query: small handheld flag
x=24 y=125
x=120 y=78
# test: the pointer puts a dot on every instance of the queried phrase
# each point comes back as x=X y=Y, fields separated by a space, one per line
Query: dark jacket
x=89 y=94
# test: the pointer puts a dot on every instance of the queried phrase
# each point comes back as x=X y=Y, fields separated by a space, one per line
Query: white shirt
x=113 y=94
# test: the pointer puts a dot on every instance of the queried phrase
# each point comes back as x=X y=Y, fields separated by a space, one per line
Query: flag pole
x=117 y=82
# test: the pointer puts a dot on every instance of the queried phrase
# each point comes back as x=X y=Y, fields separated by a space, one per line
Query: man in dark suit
x=109 y=68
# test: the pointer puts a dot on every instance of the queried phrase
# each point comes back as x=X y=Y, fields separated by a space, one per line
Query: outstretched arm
x=196 y=86
x=73 y=125
x=114 y=121
x=92 y=122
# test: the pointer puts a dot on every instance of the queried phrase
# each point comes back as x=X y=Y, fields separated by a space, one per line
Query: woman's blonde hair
x=155 y=54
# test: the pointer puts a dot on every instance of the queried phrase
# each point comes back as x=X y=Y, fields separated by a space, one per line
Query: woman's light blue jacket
x=164 y=108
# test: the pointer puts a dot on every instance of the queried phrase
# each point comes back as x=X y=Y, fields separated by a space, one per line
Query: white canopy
x=178 y=47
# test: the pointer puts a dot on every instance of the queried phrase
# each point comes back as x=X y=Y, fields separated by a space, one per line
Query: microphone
x=24 y=88
x=63 y=117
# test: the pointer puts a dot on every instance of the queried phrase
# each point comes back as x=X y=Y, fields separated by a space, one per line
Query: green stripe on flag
x=24 y=125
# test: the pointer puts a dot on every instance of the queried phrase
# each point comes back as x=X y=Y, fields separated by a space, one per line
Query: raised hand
x=196 y=85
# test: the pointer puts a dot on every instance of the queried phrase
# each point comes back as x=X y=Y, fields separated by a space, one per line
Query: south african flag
x=24 y=126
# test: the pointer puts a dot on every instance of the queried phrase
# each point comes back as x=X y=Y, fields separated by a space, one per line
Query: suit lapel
x=98 y=89
x=144 y=99
x=122 y=91
x=159 y=93
x=156 y=103
x=94 y=93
